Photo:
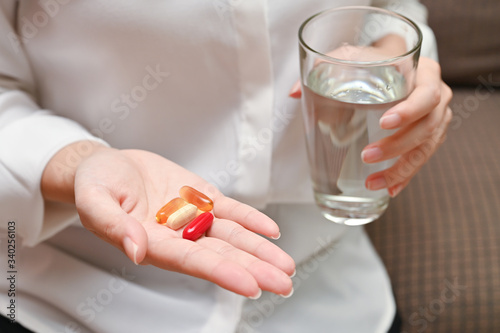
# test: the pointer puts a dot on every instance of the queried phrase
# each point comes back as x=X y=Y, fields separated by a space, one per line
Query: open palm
x=117 y=195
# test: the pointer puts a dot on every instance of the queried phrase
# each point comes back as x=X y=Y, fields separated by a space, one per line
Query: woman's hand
x=421 y=120
x=118 y=193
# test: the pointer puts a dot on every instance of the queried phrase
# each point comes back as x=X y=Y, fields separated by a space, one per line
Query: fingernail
x=390 y=121
x=295 y=92
x=289 y=294
x=277 y=237
x=395 y=190
x=131 y=248
x=376 y=184
x=294 y=273
x=371 y=154
x=257 y=296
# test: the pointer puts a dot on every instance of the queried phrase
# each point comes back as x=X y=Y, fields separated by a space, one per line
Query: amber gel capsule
x=196 y=198
x=171 y=207
x=196 y=228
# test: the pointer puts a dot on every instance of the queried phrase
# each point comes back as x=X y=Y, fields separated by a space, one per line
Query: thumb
x=103 y=215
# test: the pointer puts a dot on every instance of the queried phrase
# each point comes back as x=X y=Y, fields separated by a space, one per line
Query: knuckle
x=225 y=250
x=239 y=211
x=398 y=173
x=248 y=215
x=109 y=231
x=448 y=94
x=236 y=233
x=435 y=94
x=430 y=125
x=192 y=252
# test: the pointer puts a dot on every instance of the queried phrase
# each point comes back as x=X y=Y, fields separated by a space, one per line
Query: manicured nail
x=395 y=190
x=277 y=237
x=295 y=92
x=289 y=294
x=294 y=273
x=371 y=154
x=390 y=121
x=257 y=296
x=376 y=184
x=131 y=249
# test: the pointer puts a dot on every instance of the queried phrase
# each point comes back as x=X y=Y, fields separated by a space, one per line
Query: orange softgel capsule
x=196 y=198
x=171 y=207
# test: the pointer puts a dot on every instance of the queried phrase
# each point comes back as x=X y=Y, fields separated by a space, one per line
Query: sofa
x=440 y=238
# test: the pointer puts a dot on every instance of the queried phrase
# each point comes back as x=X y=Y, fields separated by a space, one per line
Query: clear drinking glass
x=356 y=63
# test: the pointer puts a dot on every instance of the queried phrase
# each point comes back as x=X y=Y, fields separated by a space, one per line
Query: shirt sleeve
x=416 y=12
x=29 y=137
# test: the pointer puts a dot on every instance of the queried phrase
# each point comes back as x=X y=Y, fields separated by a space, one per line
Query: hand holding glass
x=356 y=63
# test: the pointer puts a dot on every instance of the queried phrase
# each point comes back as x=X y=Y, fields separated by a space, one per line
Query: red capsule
x=196 y=228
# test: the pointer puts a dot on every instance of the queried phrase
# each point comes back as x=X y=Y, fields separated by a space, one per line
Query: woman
x=143 y=99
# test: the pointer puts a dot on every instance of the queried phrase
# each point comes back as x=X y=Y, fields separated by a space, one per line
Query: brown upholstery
x=444 y=229
x=468 y=35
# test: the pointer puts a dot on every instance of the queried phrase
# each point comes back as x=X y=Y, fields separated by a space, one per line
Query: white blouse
x=205 y=84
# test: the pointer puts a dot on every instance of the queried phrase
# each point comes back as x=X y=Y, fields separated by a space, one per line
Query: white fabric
x=213 y=75
x=332 y=286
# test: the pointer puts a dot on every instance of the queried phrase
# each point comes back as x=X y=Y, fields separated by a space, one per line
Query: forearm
x=58 y=178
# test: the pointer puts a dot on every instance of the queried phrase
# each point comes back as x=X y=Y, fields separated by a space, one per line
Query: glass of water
x=356 y=63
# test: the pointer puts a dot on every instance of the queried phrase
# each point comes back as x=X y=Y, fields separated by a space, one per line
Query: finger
x=248 y=217
x=187 y=257
x=267 y=276
x=412 y=136
x=395 y=178
x=423 y=100
x=296 y=91
x=102 y=214
x=247 y=241
x=399 y=175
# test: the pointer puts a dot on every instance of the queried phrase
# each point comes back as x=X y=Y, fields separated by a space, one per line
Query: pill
x=182 y=216
x=171 y=207
x=196 y=198
x=196 y=228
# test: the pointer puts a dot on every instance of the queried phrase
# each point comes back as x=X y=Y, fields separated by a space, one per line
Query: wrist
x=58 y=178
